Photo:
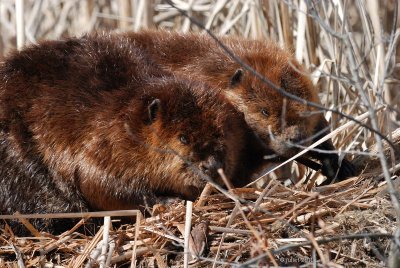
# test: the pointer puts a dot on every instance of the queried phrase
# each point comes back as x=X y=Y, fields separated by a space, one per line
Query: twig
x=110 y=252
x=137 y=230
x=18 y=255
x=188 y=227
x=106 y=236
x=114 y=213
x=88 y=249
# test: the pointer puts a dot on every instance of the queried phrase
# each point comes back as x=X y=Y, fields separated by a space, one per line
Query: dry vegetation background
x=351 y=49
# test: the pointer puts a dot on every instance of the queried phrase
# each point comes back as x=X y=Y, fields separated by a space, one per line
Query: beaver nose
x=297 y=138
x=294 y=135
x=210 y=166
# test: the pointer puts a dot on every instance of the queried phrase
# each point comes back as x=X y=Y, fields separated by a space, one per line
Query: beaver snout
x=210 y=167
x=294 y=135
x=287 y=143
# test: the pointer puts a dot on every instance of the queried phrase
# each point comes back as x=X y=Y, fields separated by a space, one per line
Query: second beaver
x=283 y=124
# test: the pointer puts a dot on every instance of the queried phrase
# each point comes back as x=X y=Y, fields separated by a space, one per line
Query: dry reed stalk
x=106 y=238
x=20 y=260
x=124 y=12
x=188 y=227
x=78 y=262
x=137 y=230
x=301 y=30
x=20 y=21
x=114 y=213
x=286 y=26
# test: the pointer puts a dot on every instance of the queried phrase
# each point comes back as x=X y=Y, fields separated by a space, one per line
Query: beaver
x=92 y=123
x=283 y=124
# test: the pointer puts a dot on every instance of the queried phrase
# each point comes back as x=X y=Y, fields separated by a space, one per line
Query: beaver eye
x=184 y=139
x=264 y=112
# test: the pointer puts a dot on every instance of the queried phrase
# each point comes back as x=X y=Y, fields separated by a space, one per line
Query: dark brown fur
x=93 y=124
x=280 y=122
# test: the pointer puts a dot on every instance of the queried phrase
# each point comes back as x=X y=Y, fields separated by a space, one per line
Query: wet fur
x=279 y=121
x=92 y=123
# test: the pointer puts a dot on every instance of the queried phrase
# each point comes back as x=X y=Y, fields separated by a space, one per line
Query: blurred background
x=280 y=20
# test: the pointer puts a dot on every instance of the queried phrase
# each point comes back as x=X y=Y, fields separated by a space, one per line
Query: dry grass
x=284 y=226
x=350 y=48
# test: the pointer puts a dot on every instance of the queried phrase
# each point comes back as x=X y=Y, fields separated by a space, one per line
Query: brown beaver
x=92 y=124
x=282 y=123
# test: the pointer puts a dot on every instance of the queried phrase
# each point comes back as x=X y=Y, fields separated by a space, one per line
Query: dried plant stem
x=232 y=217
x=88 y=249
x=18 y=255
x=106 y=236
x=137 y=230
x=188 y=227
x=114 y=213
x=301 y=30
x=19 y=8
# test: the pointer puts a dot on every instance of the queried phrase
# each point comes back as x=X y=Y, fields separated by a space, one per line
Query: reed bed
x=351 y=49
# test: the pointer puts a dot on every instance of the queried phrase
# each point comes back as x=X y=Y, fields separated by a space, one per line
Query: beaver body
x=92 y=123
x=285 y=125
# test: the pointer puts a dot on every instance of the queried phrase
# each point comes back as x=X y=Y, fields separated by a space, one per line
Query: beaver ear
x=236 y=78
x=153 y=109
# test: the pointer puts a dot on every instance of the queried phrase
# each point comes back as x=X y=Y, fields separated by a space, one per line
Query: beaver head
x=188 y=132
x=284 y=124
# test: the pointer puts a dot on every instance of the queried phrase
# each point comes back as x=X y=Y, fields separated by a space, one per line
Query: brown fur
x=279 y=121
x=93 y=124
